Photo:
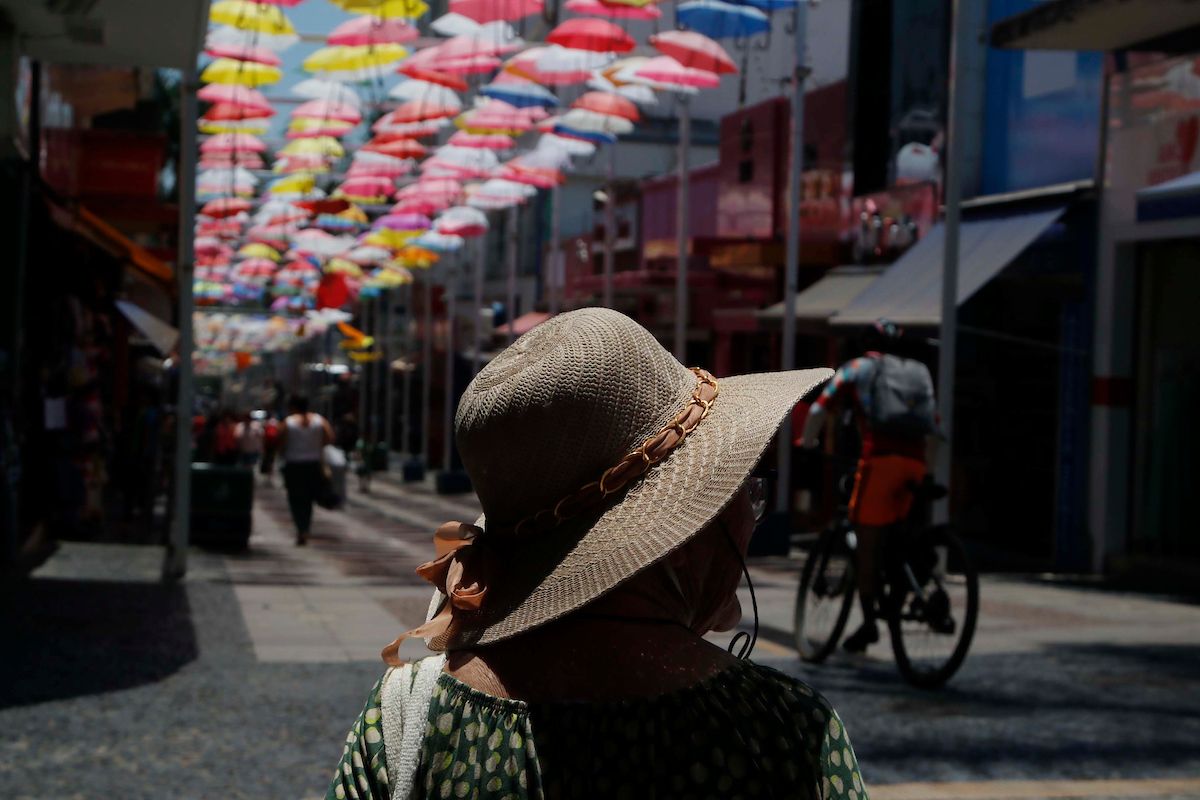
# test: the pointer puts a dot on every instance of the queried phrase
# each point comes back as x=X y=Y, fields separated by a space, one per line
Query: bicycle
x=928 y=593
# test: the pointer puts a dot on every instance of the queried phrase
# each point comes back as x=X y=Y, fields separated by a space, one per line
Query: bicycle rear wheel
x=934 y=605
x=825 y=597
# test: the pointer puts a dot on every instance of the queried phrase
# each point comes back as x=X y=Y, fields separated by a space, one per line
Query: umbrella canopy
x=694 y=50
x=432 y=76
x=403 y=222
x=225 y=207
x=225 y=112
x=419 y=111
x=556 y=65
x=386 y=9
x=613 y=105
x=329 y=91
x=367 y=188
x=581 y=119
x=232 y=143
x=237 y=37
x=250 y=16
x=453 y=24
x=256 y=250
x=328 y=110
x=243 y=53
x=325 y=146
x=440 y=242
x=240 y=73
x=345 y=58
x=491 y=10
x=396 y=148
x=720 y=20
x=369 y=29
x=235 y=96
x=518 y=91
x=591 y=34
x=669 y=72
x=423 y=91
x=461 y=221
x=489 y=141
x=614 y=10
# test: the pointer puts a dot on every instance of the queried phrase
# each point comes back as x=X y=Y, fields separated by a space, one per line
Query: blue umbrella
x=769 y=5
x=720 y=20
x=521 y=95
x=595 y=137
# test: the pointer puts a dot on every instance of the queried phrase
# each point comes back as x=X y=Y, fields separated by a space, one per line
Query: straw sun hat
x=588 y=395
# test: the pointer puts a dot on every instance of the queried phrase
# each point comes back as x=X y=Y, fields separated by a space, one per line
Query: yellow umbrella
x=250 y=16
x=390 y=278
x=331 y=126
x=339 y=58
x=316 y=146
x=392 y=240
x=240 y=73
x=365 y=358
x=387 y=9
x=300 y=183
x=354 y=214
x=418 y=257
x=258 y=250
x=341 y=266
x=210 y=127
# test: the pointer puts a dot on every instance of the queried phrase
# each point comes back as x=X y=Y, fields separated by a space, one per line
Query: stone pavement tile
x=86 y=561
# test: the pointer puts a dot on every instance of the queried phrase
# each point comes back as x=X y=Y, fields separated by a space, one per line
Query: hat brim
x=574 y=564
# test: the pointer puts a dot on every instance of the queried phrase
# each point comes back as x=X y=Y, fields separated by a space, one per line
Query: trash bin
x=222 y=498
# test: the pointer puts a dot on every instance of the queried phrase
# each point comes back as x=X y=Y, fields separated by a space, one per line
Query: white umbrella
x=426 y=92
x=555 y=58
x=331 y=91
x=592 y=122
x=235 y=37
x=454 y=24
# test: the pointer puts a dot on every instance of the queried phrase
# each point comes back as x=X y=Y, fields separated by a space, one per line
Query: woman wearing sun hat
x=618 y=501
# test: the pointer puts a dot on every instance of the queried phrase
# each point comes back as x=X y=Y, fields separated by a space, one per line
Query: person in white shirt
x=302 y=439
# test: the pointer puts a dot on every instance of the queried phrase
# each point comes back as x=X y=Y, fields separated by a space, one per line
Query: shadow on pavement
x=66 y=638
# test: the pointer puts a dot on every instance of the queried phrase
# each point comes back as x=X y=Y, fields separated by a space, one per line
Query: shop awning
x=162 y=335
x=909 y=292
x=105 y=236
x=1095 y=25
x=829 y=295
x=1171 y=199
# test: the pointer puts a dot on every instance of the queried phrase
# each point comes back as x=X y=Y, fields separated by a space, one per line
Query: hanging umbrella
x=240 y=73
x=255 y=250
x=247 y=160
x=491 y=10
x=232 y=143
x=226 y=112
x=257 y=266
x=490 y=141
x=397 y=148
x=321 y=146
x=260 y=55
x=308 y=128
x=596 y=35
x=236 y=96
x=327 y=90
x=419 y=111
x=369 y=29
x=424 y=91
x=694 y=50
x=669 y=72
x=391 y=168
x=581 y=119
x=608 y=103
x=343 y=58
x=230 y=36
x=720 y=20
x=556 y=65
x=453 y=24
x=367 y=189
x=368 y=254
x=432 y=76
x=541 y=177
x=614 y=10
x=518 y=91
x=386 y=9
x=402 y=222
x=424 y=205
x=462 y=221
x=441 y=242
x=250 y=16
x=329 y=110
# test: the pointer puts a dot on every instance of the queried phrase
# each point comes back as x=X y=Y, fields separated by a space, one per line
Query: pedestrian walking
x=619 y=497
x=271 y=435
x=303 y=437
x=250 y=439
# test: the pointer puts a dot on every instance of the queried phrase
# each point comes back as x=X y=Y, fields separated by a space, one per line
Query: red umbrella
x=694 y=50
x=614 y=105
x=247 y=160
x=432 y=76
x=597 y=35
x=260 y=55
x=232 y=143
x=615 y=10
x=225 y=207
x=489 y=141
x=324 y=205
x=400 y=148
x=493 y=10
x=222 y=112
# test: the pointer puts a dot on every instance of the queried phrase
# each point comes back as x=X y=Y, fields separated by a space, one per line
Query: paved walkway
x=241 y=681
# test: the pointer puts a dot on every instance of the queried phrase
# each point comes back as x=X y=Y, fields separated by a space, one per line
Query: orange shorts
x=881 y=494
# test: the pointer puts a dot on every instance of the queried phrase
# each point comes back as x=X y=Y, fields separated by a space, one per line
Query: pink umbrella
x=402 y=222
x=334 y=128
x=462 y=221
x=614 y=105
x=242 y=96
x=489 y=141
x=461 y=55
x=614 y=10
x=596 y=35
x=323 y=109
x=525 y=65
x=694 y=50
x=667 y=70
x=415 y=111
x=247 y=160
x=257 y=266
x=233 y=143
x=280 y=303
x=260 y=55
x=380 y=169
x=367 y=186
x=493 y=10
x=427 y=205
x=368 y=29
x=427 y=187
x=225 y=207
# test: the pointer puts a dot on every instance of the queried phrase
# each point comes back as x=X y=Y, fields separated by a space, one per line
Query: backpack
x=902 y=398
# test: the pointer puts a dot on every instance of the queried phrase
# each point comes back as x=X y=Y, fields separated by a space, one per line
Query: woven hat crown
x=562 y=404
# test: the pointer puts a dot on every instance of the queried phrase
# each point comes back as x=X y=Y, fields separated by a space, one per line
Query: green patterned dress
x=747 y=731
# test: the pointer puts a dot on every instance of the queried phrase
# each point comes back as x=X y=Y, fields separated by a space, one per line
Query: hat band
x=630 y=468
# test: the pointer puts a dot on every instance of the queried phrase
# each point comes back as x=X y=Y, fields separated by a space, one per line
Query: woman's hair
x=298 y=403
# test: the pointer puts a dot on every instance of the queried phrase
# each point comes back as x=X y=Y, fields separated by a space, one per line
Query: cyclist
x=892 y=397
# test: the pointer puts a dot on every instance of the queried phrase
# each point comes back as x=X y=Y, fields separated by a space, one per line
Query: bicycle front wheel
x=825 y=597
x=934 y=607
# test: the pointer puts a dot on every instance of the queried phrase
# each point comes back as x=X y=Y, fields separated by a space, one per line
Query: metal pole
x=389 y=394
x=952 y=193
x=681 y=230
x=379 y=333
x=555 y=248
x=406 y=383
x=427 y=368
x=791 y=275
x=448 y=395
x=610 y=224
x=476 y=322
x=511 y=289
x=175 y=561
x=363 y=379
